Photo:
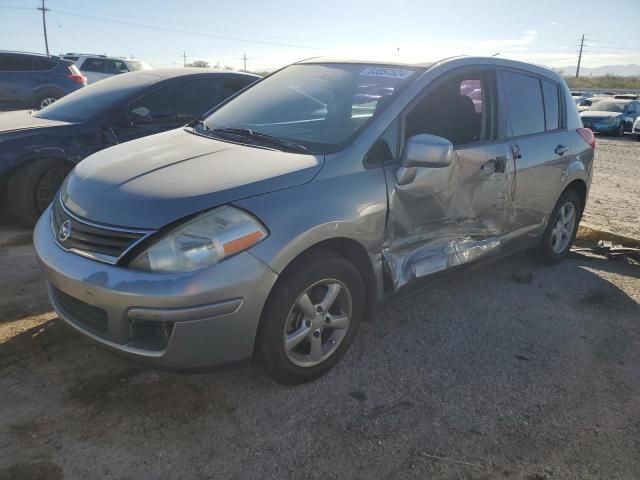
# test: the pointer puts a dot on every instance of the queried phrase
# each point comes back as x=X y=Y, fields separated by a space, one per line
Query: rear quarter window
x=523 y=98
x=551 y=95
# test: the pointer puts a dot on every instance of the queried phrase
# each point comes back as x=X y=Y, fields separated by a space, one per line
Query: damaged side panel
x=449 y=216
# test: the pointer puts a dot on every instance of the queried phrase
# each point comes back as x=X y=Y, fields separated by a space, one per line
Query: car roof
x=181 y=72
x=461 y=61
x=31 y=54
x=153 y=76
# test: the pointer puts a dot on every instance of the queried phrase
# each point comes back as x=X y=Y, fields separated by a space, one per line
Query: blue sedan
x=40 y=148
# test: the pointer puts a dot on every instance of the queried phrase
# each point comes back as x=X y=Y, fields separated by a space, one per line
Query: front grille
x=107 y=244
x=89 y=316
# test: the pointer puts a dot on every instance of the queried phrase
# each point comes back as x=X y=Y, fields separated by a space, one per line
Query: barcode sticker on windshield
x=386 y=72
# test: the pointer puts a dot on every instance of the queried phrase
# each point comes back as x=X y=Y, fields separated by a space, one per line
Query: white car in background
x=636 y=129
x=97 y=67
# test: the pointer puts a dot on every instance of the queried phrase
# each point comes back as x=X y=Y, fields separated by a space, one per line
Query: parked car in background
x=584 y=103
x=99 y=67
x=611 y=116
x=40 y=148
x=30 y=80
x=575 y=93
x=636 y=128
x=274 y=225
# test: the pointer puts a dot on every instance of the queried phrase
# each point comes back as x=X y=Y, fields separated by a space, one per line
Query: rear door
x=540 y=144
x=16 y=80
x=453 y=215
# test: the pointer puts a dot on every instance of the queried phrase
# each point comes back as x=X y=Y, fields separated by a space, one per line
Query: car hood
x=599 y=114
x=156 y=180
x=22 y=120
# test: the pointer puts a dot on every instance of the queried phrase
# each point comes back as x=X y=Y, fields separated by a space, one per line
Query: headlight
x=203 y=241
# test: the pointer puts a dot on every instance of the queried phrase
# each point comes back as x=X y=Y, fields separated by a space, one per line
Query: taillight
x=76 y=76
x=588 y=136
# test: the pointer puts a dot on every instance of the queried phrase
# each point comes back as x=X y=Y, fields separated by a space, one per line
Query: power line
x=189 y=25
x=172 y=30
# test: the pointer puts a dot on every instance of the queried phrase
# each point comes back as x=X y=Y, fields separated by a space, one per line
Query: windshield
x=608 y=106
x=319 y=106
x=85 y=103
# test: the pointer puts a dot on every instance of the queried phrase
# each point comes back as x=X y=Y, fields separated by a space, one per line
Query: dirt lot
x=614 y=201
x=515 y=371
x=519 y=380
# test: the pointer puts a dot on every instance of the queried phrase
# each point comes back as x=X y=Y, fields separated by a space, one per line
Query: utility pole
x=44 y=25
x=184 y=59
x=244 y=58
x=580 y=56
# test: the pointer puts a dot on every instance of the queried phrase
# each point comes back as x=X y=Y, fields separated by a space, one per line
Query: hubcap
x=317 y=323
x=564 y=226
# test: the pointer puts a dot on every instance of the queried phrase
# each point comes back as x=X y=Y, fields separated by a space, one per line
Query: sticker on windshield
x=386 y=72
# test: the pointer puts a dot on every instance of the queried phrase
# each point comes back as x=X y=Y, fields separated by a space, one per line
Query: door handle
x=495 y=165
x=561 y=149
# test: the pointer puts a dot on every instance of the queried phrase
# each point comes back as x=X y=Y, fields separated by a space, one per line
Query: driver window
x=456 y=109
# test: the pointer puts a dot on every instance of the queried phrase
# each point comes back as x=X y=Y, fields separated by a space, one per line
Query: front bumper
x=606 y=128
x=184 y=320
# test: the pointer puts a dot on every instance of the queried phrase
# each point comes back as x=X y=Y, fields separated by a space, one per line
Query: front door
x=443 y=217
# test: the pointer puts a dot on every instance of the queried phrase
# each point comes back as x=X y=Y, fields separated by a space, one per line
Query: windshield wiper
x=264 y=137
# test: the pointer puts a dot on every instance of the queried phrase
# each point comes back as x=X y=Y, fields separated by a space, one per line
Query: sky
x=275 y=33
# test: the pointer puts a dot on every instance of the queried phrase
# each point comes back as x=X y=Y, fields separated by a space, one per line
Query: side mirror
x=429 y=151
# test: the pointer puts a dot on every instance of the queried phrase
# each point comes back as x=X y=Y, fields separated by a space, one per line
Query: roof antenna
x=495 y=54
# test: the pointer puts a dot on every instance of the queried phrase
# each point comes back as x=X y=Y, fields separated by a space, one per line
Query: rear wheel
x=45 y=98
x=311 y=318
x=32 y=186
x=562 y=228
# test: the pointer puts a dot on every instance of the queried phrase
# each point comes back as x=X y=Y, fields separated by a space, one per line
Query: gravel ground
x=515 y=371
x=614 y=200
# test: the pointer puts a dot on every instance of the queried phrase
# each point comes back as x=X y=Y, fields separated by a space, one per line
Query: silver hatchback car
x=274 y=225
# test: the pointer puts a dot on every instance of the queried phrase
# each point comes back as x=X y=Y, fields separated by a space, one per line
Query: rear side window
x=115 y=66
x=93 y=65
x=523 y=97
x=181 y=101
x=41 y=64
x=551 y=95
x=16 y=63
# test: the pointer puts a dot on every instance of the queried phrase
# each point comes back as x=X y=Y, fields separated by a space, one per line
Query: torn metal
x=448 y=216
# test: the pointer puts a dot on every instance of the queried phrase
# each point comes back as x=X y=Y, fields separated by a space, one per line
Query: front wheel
x=562 y=228
x=621 y=130
x=32 y=186
x=311 y=318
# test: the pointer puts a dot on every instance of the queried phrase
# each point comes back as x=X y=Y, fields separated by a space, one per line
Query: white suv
x=97 y=67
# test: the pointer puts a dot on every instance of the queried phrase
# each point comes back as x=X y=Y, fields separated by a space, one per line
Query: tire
x=555 y=246
x=314 y=275
x=32 y=186
x=620 y=132
x=47 y=96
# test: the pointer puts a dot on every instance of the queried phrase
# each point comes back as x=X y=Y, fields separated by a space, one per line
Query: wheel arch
x=580 y=187
x=354 y=252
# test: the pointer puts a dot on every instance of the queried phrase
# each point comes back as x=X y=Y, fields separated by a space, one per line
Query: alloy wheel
x=317 y=323
x=47 y=101
x=564 y=226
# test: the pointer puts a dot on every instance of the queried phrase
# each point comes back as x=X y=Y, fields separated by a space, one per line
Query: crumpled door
x=448 y=216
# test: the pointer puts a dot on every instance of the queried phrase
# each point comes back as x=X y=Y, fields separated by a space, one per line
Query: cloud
x=553 y=24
